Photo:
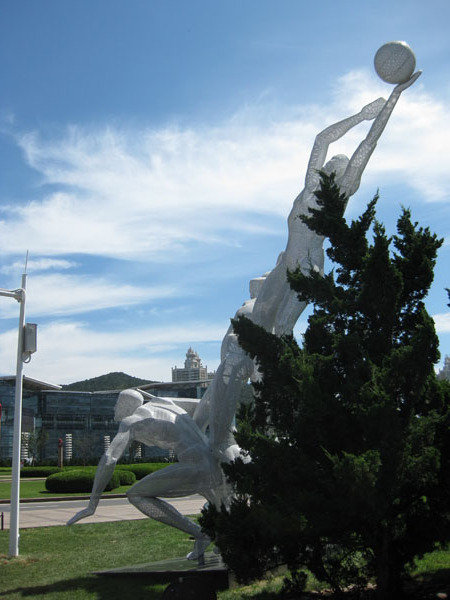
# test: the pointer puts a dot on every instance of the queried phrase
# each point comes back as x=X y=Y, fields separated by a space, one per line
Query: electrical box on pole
x=29 y=340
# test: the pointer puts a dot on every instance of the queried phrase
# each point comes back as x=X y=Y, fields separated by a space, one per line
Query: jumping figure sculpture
x=273 y=304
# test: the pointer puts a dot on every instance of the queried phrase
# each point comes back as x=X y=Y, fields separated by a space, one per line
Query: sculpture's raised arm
x=349 y=182
x=331 y=134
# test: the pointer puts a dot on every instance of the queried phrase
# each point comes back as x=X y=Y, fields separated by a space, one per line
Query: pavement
x=36 y=513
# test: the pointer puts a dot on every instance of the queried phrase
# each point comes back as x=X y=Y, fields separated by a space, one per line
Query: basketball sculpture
x=274 y=306
x=395 y=62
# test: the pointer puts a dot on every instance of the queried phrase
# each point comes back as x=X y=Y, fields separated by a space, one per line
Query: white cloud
x=128 y=194
x=42 y=264
x=71 y=351
x=57 y=294
x=442 y=322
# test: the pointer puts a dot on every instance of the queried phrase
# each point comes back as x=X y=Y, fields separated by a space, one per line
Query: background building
x=193 y=369
x=51 y=413
x=84 y=421
x=444 y=373
x=31 y=409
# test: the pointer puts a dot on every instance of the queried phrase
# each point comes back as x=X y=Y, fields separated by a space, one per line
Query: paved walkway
x=44 y=514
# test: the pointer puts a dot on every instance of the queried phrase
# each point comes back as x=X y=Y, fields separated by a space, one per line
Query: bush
x=38 y=471
x=74 y=481
x=126 y=477
x=141 y=470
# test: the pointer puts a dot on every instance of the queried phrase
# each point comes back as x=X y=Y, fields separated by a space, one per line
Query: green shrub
x=143 y=469
x=126 y=477
x=74 y=481
x=38 y=471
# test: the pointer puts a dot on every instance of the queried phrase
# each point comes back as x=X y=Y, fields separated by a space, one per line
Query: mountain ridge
x=116 y=380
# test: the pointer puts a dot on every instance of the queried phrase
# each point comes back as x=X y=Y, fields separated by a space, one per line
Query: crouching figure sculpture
x=162 y=423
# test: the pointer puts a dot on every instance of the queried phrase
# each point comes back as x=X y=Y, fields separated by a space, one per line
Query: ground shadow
x=425 y=586
x=103 y=588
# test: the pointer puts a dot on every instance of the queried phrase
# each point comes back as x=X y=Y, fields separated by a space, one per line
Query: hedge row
x=77 y=481
x=82 y=480
x=38 y=471
x=143 y=469
x=139 y=469
x=126 y=477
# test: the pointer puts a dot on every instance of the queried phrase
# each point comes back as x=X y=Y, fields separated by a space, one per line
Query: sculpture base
x=214 y=572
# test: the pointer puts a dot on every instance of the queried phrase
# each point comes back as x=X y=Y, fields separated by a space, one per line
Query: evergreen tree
x=349 y=435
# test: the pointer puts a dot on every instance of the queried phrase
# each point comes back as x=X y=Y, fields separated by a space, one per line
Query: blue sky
x=151 y=151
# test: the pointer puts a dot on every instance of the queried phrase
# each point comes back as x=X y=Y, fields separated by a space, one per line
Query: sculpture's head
x=255 y=286
x=127 y=402
x=337 y=164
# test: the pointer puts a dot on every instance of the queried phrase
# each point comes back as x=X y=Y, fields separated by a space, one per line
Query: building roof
x=31 y=383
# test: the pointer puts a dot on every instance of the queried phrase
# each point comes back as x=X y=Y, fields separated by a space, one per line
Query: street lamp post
x=22 y=355
x=15 y=485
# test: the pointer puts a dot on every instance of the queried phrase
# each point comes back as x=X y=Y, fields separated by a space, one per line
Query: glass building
x=86 y=416
x=84 y=421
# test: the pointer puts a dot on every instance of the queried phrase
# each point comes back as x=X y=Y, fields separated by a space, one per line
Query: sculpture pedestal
x=187 y=577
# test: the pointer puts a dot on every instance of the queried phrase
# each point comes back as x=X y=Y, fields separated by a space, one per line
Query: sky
x=150 y=153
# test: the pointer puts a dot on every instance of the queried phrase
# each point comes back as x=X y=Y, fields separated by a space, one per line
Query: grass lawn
x=36 y=489
x=58 y=562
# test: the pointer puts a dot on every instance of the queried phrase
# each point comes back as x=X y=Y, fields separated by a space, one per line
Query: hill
x=111 y=381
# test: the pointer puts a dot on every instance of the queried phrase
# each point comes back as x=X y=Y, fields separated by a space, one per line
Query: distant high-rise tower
x=444 y=373
x=193 y=368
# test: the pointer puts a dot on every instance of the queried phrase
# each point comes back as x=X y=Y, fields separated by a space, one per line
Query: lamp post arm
x=18 y=295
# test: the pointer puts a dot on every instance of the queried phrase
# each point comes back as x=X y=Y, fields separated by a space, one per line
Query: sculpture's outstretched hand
x=403 y=86
x=86 y=512
x=372 y=110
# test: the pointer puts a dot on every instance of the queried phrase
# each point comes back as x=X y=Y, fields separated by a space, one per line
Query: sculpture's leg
x=165 y=513
x=179 y=479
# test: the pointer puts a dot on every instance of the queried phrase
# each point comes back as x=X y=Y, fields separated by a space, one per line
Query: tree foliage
x=36 y=443
x=349 y=434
